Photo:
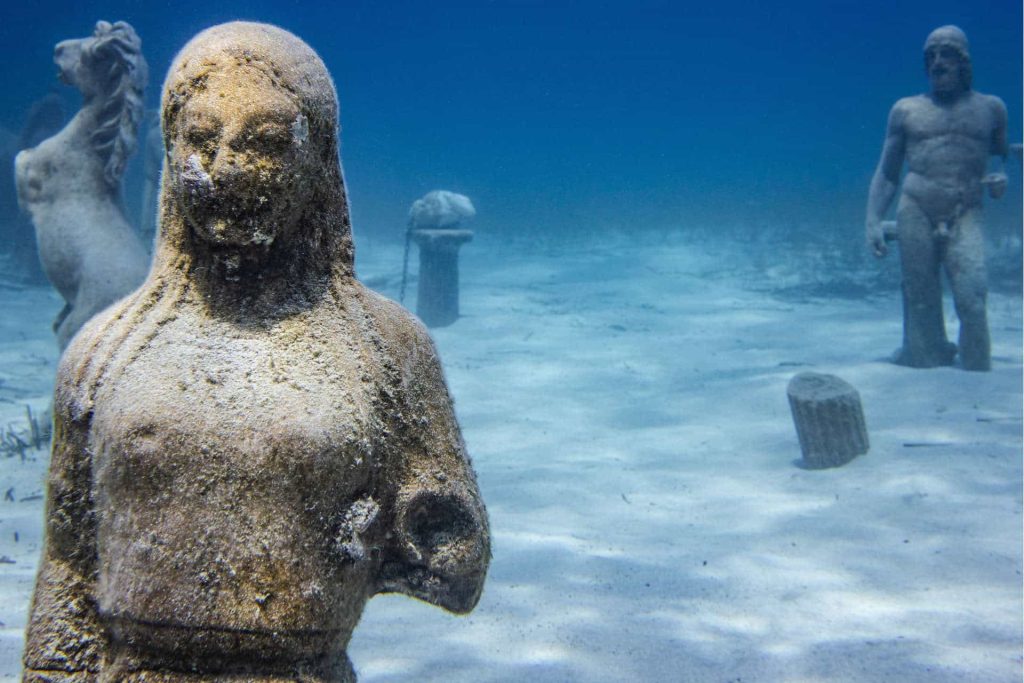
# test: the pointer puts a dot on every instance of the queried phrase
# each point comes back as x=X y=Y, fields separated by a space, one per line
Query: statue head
x=250 y=128
x=947 y=61
x=110 y=71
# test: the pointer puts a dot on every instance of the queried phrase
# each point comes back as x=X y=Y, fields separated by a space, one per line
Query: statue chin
x=223 y=232
x=948 y=84
x=945 y=88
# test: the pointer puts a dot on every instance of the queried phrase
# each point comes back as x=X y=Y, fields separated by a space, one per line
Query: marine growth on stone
x=252 y=444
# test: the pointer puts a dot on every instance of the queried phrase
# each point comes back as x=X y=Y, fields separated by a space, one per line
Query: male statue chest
x=969 y=120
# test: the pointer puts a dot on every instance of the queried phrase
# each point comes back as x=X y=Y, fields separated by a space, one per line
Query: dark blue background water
x=562 y=117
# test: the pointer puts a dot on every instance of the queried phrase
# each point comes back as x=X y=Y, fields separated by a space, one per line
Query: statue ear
x=440 y=549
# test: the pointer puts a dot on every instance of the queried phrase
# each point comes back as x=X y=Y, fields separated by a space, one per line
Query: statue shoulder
x=402 y=332
x=908 y=105
x=86 y=358
x=75 y=380
x=995 y=104
x=903 y=109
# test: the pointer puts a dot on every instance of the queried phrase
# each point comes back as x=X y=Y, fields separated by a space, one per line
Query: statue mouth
x=944 y=78
x=226 y=197
x=227 y=223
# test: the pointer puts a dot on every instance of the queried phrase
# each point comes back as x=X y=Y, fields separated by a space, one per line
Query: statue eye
x=273 y=135
x=201 y=136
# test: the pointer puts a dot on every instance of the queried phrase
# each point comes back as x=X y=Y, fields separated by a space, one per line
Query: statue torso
x=234 y=475
x=947 y=151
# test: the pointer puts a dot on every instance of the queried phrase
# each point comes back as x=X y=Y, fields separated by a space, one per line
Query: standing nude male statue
x=945 y=137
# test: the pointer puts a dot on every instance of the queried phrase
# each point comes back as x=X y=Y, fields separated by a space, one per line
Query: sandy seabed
x=625 y=408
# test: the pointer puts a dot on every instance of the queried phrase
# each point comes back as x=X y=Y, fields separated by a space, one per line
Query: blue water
x=575 y=117
x=646 y=377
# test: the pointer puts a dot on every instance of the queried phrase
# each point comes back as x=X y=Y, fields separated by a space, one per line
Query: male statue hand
x=876 y=239
x=996 y=184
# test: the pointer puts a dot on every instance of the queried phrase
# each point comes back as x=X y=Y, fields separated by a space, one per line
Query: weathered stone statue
x=252 y=444
x=70 y=184
x=946 y=138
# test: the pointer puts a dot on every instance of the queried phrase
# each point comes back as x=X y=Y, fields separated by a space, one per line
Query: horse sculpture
x=70 y=184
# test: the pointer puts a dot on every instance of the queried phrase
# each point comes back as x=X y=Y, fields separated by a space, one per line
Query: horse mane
x=115 y=56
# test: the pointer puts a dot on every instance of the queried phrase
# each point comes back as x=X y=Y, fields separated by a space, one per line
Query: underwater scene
x=511 y=341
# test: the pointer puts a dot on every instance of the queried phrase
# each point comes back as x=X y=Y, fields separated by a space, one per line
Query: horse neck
x=85 y=120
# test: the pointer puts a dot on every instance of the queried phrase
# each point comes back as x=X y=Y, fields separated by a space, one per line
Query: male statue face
x=944 y=70
x=238 y=150
x=947 y=62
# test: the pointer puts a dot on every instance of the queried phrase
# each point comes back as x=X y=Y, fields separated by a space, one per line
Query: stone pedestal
x=437 y=297
x=829 y=419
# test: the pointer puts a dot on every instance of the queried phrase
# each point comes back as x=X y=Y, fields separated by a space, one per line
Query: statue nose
x=226 y=166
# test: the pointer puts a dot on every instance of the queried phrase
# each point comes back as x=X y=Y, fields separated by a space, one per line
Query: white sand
x=626 y=411
x=28 y=361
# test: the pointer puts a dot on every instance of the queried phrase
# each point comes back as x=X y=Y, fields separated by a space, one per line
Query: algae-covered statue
x=70 y=184
x=946 y=138
x=252 y=444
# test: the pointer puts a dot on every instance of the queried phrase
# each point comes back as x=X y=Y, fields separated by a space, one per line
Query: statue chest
x=226 y=419
x=966 y=121
x=237 y=481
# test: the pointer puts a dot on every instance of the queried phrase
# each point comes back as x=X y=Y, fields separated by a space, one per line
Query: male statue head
x=947 y=61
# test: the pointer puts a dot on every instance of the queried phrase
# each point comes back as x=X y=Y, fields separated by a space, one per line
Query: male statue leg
x=965 y=265
x=925 y=344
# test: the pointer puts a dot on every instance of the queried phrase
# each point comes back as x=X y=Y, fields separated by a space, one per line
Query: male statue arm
x=885 y=181
x=64 y=640
x=996 y=181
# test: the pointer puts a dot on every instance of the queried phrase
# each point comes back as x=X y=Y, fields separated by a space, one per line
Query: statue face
x=67 y=55
x=238 y=153
x=945 y=67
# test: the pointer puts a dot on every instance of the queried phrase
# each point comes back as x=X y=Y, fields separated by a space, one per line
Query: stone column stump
x=829 y=419
x=437 y=297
